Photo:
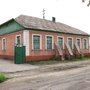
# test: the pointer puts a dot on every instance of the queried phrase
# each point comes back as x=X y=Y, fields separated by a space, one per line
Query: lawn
x=2 y=77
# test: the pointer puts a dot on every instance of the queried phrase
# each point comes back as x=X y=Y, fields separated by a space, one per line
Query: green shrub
x=2 y=77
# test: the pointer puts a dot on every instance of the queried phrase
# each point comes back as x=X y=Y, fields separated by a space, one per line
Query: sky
x=70 y=12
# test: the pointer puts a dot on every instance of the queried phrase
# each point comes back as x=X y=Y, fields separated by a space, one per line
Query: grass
x=2 y=77
x=81 y=59
x=55 y=61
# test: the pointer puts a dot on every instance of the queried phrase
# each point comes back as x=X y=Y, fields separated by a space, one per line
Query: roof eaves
x=6 y=22
x=56 y=31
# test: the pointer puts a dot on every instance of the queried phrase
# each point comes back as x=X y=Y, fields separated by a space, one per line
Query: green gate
x=19 y=56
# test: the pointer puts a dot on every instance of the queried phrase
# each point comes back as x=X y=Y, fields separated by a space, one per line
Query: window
x=36 y=42
x=70 y=42
x=49 y=42
x=85 y=44
x=61 y=42
x=18 y=40
x=79 y=42
x=4 y=44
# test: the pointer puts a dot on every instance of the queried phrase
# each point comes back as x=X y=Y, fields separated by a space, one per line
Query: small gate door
x=19 y=56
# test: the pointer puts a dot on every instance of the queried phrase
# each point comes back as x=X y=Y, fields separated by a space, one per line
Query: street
x=71 y=79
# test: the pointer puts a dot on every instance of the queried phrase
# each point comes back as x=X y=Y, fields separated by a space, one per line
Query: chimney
x=53 y=19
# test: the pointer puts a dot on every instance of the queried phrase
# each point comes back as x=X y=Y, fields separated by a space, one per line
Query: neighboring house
x=41 y=38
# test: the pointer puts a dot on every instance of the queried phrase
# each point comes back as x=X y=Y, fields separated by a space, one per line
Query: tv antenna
x=43 y=13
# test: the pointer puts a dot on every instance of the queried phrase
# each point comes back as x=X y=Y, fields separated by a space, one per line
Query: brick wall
x=10 y=42
x=43 y=54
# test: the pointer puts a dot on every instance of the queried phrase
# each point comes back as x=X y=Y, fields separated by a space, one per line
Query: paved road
x=73 y=79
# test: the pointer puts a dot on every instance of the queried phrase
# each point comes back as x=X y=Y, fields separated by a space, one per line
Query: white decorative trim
x=80 y=42
x=40 y=41
x=16 y=38
x=62 y=38
x=72 y=42
x=26 y=41
x=46 y=41
x=87 y=46
x=2 y=43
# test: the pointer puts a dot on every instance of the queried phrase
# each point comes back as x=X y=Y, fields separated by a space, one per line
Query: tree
x=88 y=2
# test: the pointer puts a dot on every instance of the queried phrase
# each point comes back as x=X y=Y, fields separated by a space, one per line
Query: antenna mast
x=43 y=13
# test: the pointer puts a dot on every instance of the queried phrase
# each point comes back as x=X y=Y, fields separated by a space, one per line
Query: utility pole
x=43 y=13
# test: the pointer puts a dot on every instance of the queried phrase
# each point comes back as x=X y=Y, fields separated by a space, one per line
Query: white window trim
x=16 y=38
x=72 y=42
x=86 y=43
x=2 y=43
x=80 y=42
x=62 y=38
x=46 y=41
x=40 y=41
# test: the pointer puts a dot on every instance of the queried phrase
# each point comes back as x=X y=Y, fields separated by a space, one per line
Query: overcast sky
x=71 y=12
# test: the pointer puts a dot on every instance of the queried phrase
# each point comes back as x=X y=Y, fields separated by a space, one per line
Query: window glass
x=36 y=42
x=3 y=44
x=60 y=42
x=18 y=40
x=78 y=42
x=70 y=42
x=49 y=42
x=85 y=44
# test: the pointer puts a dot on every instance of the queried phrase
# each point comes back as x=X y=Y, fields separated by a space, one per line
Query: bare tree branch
x=88 y=3
x=83 y=0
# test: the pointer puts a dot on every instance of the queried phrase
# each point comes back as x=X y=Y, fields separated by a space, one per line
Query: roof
x=46 y=25
x=10 y=26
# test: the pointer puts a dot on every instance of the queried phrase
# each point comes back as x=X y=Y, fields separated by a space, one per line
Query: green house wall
x=10 y=27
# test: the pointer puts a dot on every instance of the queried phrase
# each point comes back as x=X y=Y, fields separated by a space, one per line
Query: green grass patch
x=55 y=61
x=2 y=77
x=81 y=59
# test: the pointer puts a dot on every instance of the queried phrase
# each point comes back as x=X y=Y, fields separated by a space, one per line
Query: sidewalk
x=7 y=66
x=10 y=67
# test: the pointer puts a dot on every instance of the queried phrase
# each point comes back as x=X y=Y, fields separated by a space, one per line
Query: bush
x=2 y=77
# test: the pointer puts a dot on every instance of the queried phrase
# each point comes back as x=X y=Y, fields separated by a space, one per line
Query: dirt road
x=72 y=79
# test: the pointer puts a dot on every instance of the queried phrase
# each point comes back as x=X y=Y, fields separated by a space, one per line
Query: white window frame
x=40 y=41
x=16 y=39
x=3 y=45
x=46 y=41
x=86 y=43
x=72 y=42
x=62 y=38
x=80 y=42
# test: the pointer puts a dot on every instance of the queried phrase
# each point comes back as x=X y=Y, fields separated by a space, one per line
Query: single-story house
x=43 y=39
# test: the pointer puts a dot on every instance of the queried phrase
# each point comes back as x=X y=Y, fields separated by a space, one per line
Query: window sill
x=36 y=50
x=49 y=49
x=85 y=49
x=4 y=50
